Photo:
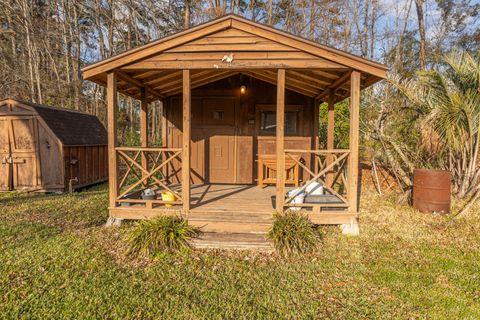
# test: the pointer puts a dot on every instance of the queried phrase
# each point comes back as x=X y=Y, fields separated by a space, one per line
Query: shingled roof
x=70 y=126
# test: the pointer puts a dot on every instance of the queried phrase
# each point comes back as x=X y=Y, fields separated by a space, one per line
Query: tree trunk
x=421 y=31
x=270 y=12
x=252 y=7
x=186 y=21
x=312 y=20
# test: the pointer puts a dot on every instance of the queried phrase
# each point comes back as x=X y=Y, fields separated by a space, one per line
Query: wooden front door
x=22 y=141
x=219 y=133
x=221 y=155
x=213 y=141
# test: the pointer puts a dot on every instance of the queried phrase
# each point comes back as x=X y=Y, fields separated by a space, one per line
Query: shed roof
x=72 y=127
x=255 y=49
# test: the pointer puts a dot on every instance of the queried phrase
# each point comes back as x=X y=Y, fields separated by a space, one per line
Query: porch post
x=280 y=115
x=163 y=128
x=354 y=138
x=144 y=130
x=316 y=119
x=112 y=110
x=330 y=132
x=163 y=123
x=186 y=141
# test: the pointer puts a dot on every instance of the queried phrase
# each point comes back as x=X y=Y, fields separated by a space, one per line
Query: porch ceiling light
x=243 y=89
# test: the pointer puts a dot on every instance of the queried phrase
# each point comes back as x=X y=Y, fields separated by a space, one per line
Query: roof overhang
x=252 y=48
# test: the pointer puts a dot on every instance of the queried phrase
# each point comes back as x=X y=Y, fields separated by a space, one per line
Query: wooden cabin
x=241 y=100
x=44 y=148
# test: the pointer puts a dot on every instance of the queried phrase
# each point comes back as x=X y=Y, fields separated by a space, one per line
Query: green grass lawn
x=58 y=261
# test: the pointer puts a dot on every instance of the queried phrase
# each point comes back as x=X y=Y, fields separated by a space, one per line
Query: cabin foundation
x=350 y=229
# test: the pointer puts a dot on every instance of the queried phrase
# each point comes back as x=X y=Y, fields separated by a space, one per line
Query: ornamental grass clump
x=293 y=233
x=162 y=234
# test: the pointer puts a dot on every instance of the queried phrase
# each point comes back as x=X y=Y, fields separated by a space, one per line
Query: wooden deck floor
x=228 y=208
x=228 y=197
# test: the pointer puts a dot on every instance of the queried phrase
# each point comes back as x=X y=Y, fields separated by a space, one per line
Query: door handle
x=7 y=159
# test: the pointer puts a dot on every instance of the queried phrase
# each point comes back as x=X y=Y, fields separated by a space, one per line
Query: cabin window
x=218 y=115
x=268 y=122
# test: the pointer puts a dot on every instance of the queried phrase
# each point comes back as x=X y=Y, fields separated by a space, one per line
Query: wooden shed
x=44 y=148
x=241 y=100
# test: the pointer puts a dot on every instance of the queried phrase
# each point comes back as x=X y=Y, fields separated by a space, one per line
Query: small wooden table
x=267 y=168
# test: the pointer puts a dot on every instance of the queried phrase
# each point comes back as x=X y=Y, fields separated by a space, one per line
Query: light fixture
x=243 y=89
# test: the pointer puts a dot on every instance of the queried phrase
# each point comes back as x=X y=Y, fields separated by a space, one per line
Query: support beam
x=163 y=123
x=201 y=81
x=354 y=141
x=316 y=123
x=295 y=81
x=144 y=129
x=340 y=81
x=316 y=142
x=187 y=99
x=280 y=115
x=112 y=110
x=330 y=132
x=305 y=76
x=272 y=80
x=138 y=84
x=163 y=128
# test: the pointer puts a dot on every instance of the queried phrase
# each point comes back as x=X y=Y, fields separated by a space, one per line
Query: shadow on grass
x=25 y=197
x=14 y=234
x=78 y=210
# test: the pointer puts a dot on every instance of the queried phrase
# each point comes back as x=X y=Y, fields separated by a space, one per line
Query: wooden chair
x=267 y=168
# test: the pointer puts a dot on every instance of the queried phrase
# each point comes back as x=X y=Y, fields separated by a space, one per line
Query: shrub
x=293 y=233
x=150 y=237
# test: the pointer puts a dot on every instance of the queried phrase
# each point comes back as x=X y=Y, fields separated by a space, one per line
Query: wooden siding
x=246 y=50
x=240 y=129
x=88 y=164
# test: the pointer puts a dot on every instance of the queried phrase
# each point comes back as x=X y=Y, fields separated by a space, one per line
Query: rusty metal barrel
x=432 y=190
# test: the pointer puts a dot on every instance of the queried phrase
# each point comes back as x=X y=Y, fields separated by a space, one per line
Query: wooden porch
x=227 y=208
x=161 y=170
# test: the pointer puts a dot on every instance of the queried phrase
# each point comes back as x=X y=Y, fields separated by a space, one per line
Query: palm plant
x=162 y=234
x=451 y=98
x=293 y=233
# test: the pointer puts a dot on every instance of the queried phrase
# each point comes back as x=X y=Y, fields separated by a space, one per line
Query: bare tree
x=421 y=30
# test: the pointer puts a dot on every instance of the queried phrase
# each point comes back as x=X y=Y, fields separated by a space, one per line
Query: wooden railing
x=329 y=168
x=146 y=167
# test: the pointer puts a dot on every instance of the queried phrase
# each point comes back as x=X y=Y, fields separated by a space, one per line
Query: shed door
x=5 y=160
x=22 y=137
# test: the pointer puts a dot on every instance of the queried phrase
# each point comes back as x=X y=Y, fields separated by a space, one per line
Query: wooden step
x=230 y=216
x=231 y=222
x=213 y=225
x=234 y=241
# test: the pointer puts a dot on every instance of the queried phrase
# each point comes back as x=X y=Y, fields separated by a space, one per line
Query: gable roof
x=202 y=48
x=72 y=127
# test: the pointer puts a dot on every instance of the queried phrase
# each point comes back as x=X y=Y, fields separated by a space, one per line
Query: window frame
x=270 y=107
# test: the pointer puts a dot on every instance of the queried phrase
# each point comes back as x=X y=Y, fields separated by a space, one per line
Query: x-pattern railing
x=153 y=175
x=326 y=162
